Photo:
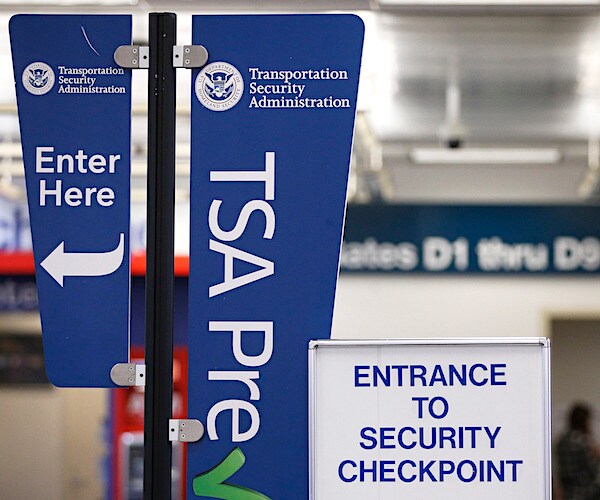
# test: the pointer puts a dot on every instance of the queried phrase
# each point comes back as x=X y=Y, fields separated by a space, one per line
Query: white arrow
x=60 y=264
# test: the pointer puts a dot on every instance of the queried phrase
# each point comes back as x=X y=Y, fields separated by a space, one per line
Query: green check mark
x=211 y=483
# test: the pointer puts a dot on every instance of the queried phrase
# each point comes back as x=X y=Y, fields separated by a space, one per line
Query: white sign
x=424 y=419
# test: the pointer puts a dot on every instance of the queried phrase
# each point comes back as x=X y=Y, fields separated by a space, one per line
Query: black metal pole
x=159 y=255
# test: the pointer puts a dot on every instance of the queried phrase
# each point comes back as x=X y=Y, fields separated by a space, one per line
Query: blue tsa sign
x=272 y=120
x=75 y=114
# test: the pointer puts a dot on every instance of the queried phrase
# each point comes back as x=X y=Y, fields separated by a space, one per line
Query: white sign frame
x=316 y=473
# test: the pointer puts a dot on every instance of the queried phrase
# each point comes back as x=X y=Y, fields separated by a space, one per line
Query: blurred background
x=465 y=108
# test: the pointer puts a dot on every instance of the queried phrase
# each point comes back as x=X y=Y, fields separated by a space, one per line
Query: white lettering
x=105 y=197
x=245 y=377
x=229 y=281
x=79 y=163
x=493 y=254
x=242 y=221
x=571 y=254
x=97 y=164
x=239 y=327
x=243 y=333
x=437 y=254
x=50 y=192
x=74 y=196
x=267 y=175
x=235 y=405
x=40 y=159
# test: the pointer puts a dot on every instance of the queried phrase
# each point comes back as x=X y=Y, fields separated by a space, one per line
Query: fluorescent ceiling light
x=491 y=3
x=483 y=156
x=69 y=3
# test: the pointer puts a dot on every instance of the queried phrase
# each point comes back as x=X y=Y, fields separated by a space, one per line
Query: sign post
x=160 y=258
x=430 y=418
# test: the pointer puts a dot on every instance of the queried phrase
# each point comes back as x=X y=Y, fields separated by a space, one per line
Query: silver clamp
x=133 y=56
x=128 y=374
x=189 y=56
x=185 y=430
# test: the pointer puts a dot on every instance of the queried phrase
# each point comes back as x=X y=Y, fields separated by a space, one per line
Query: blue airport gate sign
x=75 y=115
x=472 y=239
x=272 y=120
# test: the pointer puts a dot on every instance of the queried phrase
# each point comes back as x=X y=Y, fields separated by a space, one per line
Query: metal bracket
x=185 y=430
x=128 y=374
x=133 y=56
x=189 y=56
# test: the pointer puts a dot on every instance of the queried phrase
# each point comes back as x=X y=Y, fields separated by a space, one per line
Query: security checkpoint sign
x=74 y=108
x=272 y=121
x=442 y=419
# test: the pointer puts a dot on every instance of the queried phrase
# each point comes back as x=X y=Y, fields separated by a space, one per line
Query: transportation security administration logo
x=219 y=86
x=38 y=78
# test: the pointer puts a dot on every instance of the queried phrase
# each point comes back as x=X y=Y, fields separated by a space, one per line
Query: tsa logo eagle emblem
x=38 y=78
x=219 y=86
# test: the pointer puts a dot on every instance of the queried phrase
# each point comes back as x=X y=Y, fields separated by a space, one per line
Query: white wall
x=373 y=306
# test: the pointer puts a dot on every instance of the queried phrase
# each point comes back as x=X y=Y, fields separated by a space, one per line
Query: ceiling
x=483 y=76
x=501 y=80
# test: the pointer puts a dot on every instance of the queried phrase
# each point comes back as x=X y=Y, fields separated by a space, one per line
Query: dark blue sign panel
x=272 y=121
x=472 y=239
x=75 y=113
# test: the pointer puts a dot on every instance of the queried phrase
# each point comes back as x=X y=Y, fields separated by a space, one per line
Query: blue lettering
x=401 y=441
x=418 y=372
x=399 y=369
x=406 y=479
x=386 y=434
x=446 y=468
x=420 y=405
x=358 y=375
x=383 y=469
x=444 y=404
x=378 y=374
x=372 y=440
x=364 y=471
x=344 y=478
x=461 y=476
x=496 y=372
x=425 y=469
x=492 y=436
x=477 y=375
x=473 y=431
x=424 y=445
x=499 y=473
x=438 y=376
x=514 y=463
x=474 y=381
x=461 y=377
x=447 y=434
x=467 y=471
